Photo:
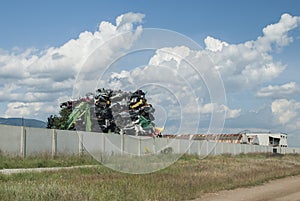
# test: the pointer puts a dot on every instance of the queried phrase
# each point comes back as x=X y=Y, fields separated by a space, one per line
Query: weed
x=188 y=178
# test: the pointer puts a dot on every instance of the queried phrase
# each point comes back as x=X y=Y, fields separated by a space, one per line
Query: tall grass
x=188 y=178
x=44 y=160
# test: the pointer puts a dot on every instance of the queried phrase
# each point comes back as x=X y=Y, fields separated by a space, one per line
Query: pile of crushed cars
x=113 y=111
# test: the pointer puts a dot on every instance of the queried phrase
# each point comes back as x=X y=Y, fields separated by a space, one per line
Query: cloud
x=287 y=113
x=253 y=119
x=127 y=21
x=278 y=90
x=286 y=117
x=13 y=65
x=247 y=65
x=244 y=67
x=32 y=77
x=179 y=79
x=21 y=109
x=213 y=44
x=230 y=113
x=186 y=72
x=168 y=54
x=277 y=34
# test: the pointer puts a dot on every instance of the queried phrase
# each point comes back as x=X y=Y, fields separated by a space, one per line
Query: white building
x=276 y=140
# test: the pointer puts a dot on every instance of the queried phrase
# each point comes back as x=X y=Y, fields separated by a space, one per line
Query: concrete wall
x=26 y=141
x=293 y=150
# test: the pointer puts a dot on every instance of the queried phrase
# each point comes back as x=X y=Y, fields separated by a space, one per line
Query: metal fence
x=25 y=141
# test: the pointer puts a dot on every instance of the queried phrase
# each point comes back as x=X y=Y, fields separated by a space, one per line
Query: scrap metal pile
x=113 y=111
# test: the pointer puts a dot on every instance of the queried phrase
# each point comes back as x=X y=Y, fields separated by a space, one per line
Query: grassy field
x=188 y=178
x=44 y=160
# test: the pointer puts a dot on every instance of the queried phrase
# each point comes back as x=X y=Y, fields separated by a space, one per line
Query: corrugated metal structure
x=227 y=138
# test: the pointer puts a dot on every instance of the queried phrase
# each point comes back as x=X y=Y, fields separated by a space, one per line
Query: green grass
x=44 y=160
x=188 y=178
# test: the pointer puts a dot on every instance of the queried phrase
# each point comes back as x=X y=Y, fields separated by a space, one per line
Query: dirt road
x=286 y=189
x=49 y=169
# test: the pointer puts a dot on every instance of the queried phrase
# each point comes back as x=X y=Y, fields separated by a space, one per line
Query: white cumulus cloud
x=213 y=44
x=33 y=80
x=277 y=34
x=287 y=113
x=278 y=90
x=241 y=66
x=249 y=64
x=211 y=107
x=181 y=79
x=33 y=109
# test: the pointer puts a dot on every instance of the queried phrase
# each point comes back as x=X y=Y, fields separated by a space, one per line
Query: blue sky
x=30 y=30
x=52 y=23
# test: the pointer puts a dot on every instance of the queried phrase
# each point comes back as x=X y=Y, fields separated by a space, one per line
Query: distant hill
x=26 y=122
